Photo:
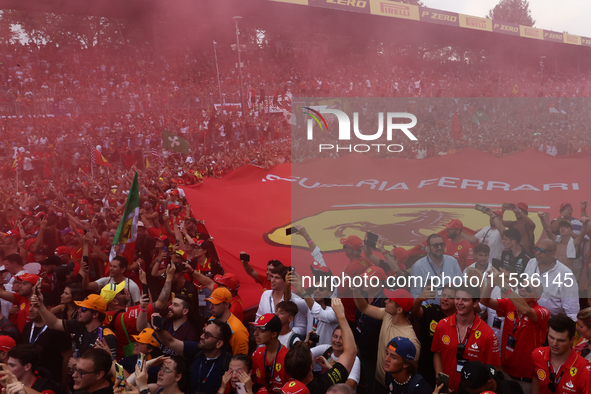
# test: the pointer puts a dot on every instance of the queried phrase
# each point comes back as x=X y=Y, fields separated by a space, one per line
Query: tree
x=512 y=11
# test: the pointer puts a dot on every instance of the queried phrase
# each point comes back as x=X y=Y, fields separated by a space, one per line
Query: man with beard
x=177 y=323
x=456 y=246
x=210 y=360
x=220 y=300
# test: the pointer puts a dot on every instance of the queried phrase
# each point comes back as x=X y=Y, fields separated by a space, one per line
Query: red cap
x=162 y=238
x=455 y=223
x=523 y=206
x=295 y=387
x=83 y=202
x=29 y=244
x=564 y=205
x=173 y=206
x=401 y=255
x=26 y=277
x=12 y=233
x=6 y=343
x=228 y=279
x=352 y=241
x=269 y=321
x=182 y=254
x=401 y=297
x=61 y=250
x=377 y=272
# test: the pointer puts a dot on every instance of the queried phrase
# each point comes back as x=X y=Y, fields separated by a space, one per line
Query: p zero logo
x=345 y=129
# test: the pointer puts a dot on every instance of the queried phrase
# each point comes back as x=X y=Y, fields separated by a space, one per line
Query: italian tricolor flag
x=127 y=231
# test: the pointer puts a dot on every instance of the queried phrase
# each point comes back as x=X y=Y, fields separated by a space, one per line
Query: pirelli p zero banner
x=412 y=12
x=395 y=10
x=345 y=5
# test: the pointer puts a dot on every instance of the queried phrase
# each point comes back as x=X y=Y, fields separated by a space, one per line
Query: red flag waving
x=100 y=159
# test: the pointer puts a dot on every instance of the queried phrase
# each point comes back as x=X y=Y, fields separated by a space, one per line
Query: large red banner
x=402 y=200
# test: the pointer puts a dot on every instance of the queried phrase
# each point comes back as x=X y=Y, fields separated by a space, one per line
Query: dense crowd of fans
x=79 y=315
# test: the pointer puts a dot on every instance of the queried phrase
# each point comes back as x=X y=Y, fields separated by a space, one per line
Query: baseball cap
x=12 y=233
x=162 y=238
x=401 y=297
x=111 y=290
x=140 y=224
x=61 y=250
x=377 y=272
x=269 y=321
x=219 y=295
x=173 y=206
x=94 y=302
x=455 y=223
x=181 y=253
x=146 y=337
x=26 y=277
x=523 y=206
x=295 y=387
x=475 y=375
x=352 y=241
x=6 y=343
x=228 y=279
x=403 y=347
x=565 y=205
x=64 y=270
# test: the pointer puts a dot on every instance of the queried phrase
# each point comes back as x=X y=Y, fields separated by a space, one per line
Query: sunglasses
x=552 y=384
x=84 y=309
x=542 y=250
x=81 y=373
x=208 y=335
x=438 y=245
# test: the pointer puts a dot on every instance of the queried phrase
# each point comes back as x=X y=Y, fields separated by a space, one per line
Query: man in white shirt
x=491 y=235
x=116 y=275
x=270 y=299
x=561 y=291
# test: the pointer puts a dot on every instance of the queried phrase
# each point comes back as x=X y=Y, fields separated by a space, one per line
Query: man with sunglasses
x=435 y=263
x=209 y=358
x=90 y=375
x=525 y=328
x=558 y=368
x=561 y=290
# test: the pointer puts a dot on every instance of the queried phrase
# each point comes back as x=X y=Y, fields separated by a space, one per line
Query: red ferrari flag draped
x=402 y=200
x=99 y=159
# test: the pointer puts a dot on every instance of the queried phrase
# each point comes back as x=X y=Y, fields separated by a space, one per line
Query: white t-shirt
x=325 y=321
x=319 y=351
x=130 y=285
x=286 y=338
x=299 y=324
x=491 y=237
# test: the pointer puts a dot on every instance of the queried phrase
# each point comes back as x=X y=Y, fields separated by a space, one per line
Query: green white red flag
x=126 y=234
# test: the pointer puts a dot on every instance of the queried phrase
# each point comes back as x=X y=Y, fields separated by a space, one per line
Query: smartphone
x=100 y=334
x=159 y=322
x=120 y=376
x=145 y=290
x=291 y=230
x=245 y=257
x=141 y=358
x=480 y=207
x=372 y=238
x=443 y=378
x=292 y=270
x=496 y=263
x=240 y=389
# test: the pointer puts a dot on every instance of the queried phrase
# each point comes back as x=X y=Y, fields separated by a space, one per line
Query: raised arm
x=365 y=308
x=168 y=340
x=347 y=359
x=248 y=268
x=546 y=226
x=199 y=277
x=581 y=237
x=417 y=305
x=164 y=295
x=48 y=318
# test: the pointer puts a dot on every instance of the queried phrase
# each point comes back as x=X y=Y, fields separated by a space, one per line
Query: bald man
x=561 y=291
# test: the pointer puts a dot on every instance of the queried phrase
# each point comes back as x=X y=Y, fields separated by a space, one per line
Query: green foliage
x=512 y=11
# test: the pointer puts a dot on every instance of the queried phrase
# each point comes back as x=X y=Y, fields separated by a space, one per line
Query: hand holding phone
x=443 y=378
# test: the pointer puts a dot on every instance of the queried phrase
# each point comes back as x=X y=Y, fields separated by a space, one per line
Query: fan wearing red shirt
x=22 y=298
x=463 y=337
x=264 y=281
x=525 y=328
x=268 y=364
x=458 y=247
x=358 y=264
x=558 y=368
